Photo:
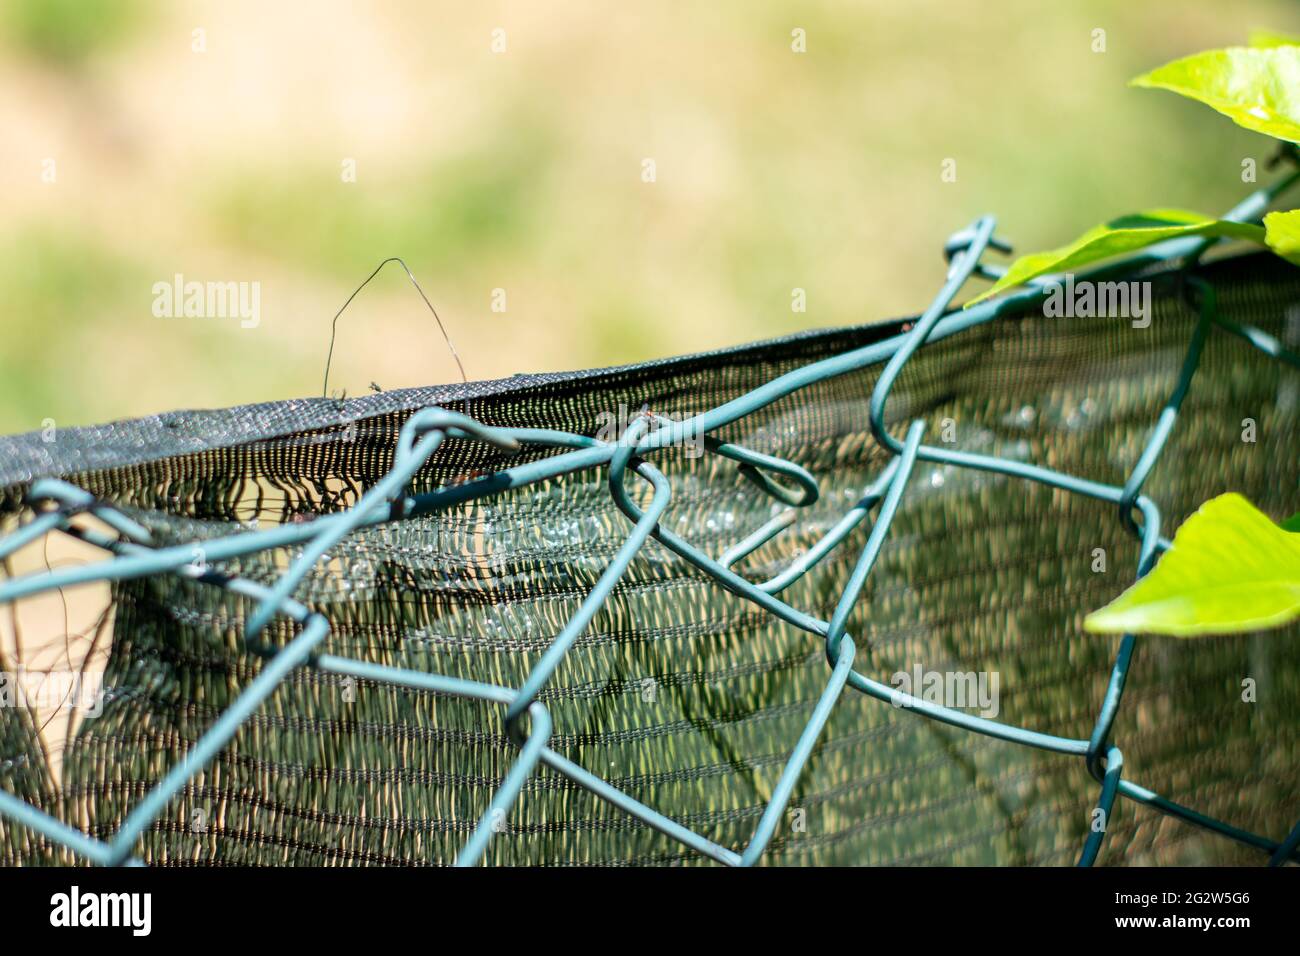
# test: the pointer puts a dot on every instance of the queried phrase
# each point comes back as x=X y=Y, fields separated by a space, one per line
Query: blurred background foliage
x=522 y=171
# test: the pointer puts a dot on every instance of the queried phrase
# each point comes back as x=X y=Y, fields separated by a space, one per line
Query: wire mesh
x=279 y=591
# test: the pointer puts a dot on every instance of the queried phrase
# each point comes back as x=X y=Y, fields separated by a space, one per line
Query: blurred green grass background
x=522 y=170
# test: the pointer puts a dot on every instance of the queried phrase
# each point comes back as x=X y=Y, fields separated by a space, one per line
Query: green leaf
x=1266 y=38
x=1292 y=523
x=1230 y=570
x=1282 y=233
x=1258 y=88
x=1125 y=234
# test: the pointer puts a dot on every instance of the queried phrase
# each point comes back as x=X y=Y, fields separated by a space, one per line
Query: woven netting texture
x=685 y=696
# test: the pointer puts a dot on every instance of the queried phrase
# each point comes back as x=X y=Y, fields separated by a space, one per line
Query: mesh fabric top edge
x=27 y=456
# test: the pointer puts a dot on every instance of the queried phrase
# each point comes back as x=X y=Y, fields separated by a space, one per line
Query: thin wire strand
x=334 y=326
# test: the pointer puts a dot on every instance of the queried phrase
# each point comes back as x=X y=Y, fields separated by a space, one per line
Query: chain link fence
x=689 y=610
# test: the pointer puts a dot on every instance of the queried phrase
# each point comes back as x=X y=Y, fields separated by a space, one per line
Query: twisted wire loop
x=526 y=718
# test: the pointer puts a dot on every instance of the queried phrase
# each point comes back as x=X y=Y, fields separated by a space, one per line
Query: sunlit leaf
x=1282 y=233
x=1256 y=87
x=1119 y=236
x=1230 y=570
x=1266 y=38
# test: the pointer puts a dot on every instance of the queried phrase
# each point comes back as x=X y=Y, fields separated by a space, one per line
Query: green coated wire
x=136 y=556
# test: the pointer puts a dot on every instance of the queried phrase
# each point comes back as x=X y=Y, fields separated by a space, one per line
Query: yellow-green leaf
x=1230 y=570
x=1282 y=233
x=1119 y=236
x=1273 y=38
x=1255 y=87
